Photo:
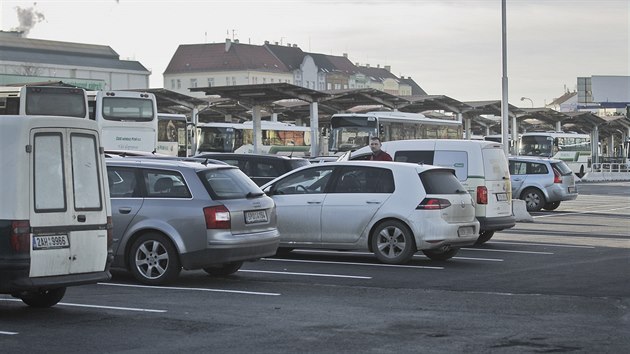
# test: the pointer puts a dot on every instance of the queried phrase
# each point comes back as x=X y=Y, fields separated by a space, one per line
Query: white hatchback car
x=389 y=208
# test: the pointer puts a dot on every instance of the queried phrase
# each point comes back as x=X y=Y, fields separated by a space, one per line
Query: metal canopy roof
x=342 y=100
x=433 y=103
x=263 y=95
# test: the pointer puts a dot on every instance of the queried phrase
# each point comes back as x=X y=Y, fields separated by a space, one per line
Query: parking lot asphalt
x=559 y=284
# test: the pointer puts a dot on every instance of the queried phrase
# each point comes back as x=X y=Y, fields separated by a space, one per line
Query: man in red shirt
x=377 y=153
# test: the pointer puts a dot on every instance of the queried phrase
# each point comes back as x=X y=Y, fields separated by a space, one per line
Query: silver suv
x=170 y=215
x=541 y=182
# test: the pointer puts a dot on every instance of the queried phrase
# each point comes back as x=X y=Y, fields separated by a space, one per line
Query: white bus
x=173 y=135
x=127 y=119
x=277 y=138
x=43 y=101
x=572 y=148
x=351 y=131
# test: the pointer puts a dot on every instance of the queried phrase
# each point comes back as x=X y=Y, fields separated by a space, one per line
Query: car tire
x=440 y=255
x=42 y=298
x=484 y=236
x=224 y=270
x=551 y=206
x=393 y=242
x=534 y=199
x=153 y=259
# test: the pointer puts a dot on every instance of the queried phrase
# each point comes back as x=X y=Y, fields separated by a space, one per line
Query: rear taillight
x=482 y=195
x=217 y=217
x=433 y=204
x=20 y=237
x=557 y=177
x=110 y=232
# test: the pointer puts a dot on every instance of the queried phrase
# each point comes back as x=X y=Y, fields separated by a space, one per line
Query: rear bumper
x=496 y=224
x=15 y=280
x=14 y=277
x=239 y=248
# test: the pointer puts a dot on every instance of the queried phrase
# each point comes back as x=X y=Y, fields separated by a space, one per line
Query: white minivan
x=481 y=167
x=55 y=215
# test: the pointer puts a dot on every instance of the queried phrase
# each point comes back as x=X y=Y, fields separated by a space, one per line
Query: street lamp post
x=529 y=99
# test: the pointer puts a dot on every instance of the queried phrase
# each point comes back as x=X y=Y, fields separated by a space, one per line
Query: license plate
x=252 y=217
x=465 y=231
x=502 y=197
x=50 y=242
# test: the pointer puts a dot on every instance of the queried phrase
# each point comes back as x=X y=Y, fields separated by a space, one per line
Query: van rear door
x=497 y=182
x=68 y=212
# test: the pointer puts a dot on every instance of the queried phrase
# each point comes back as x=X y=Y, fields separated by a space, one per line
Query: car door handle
x=314 y=202
x=373 y=202
x=124 y=210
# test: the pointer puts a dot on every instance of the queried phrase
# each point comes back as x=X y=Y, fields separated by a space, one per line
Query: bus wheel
x=581 y=173
x=42 y=298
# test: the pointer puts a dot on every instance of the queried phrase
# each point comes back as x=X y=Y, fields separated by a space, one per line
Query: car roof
x=232 y=154
x=534 y=159
x=198 y=164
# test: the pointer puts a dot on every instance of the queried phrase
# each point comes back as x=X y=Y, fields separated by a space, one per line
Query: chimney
x=228 y=44
x=345 y=55
x=388 y=68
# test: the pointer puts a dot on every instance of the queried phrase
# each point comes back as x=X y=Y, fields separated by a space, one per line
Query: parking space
x=567 y=267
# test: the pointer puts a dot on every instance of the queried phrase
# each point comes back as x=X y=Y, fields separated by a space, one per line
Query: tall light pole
x=504 y=83
x=529 y=99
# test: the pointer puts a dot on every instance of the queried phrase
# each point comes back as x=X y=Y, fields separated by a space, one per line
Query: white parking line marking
x=417 y=255
x=539 y=244
x=98 y=306
x=507 y=251
x=351 y=263
x=8 y=333
x=579 y=212
x=307 y=274
x=192 y=289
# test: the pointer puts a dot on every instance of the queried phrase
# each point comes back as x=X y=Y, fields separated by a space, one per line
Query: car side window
x=123 y=182
x=165 y=184
x=537 y=169
x=266 y=169
x=364 y=180
x=518 y=168
x=312 y=180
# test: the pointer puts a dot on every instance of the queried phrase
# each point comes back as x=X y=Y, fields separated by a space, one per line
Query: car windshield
x=229 y=183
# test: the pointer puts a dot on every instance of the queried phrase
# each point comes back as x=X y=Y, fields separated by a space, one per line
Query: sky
x=451 y=48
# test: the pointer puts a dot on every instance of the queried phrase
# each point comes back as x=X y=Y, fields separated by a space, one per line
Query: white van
x=481 y=166
x=55 y=215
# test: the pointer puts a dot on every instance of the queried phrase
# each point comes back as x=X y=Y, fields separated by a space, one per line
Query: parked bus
x=43 y=100
x=351 y=131
x=572 y=148
x=127 y=119
x=277 y=138
x=172 y=135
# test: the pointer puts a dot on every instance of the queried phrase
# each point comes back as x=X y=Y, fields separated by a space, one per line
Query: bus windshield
x=351 y=133
x=128 y=109
x=218 y=139
x=536 y=145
